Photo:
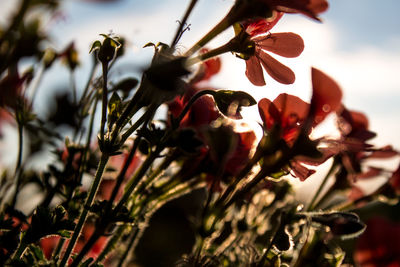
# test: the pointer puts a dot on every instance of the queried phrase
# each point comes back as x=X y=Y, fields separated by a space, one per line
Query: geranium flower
x=293 y=115
x=285 y=44
x=354 y=151
x=203 y=111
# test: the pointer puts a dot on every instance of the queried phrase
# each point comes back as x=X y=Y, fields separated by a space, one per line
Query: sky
x=358 y=44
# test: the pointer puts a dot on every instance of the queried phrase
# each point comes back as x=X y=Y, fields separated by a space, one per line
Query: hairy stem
x=88 y=203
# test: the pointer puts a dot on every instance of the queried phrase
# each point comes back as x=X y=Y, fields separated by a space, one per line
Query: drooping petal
x=300 y=171
x=286 y=44
x=384 y=153
x=269 y=113
x=275 y=69
x=326 y=96
x=254 y=71
x=310 y=8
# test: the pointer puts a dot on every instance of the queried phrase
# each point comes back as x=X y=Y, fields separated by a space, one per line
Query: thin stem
x=35 y=84
x=122 y=173
x=212 y=53
x=20 y=145
x=191 y=102
x=325 y=197
x=265 y=253
x=87 y=86
x=104 y=102
x=144 y=118
x=265 y=171
x=17 y=172
x=163 y=166
x=57 y=250
x=19 y=251
x=88 y=203
x=73 y=84
x=227 y=21
x=88 y=245
x=183 y=22
x=88 y=139
x=110 y=244
x=311 y=206
x=136 y=179
x=128 y=248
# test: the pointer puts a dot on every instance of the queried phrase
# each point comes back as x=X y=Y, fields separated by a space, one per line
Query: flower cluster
x=197 y=162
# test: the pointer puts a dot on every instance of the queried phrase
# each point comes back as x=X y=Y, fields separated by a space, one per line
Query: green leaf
x=115 y=108
x=95 y=46
x=229 y=102
x=342 y=224
x=126 y=85
x=47 y=222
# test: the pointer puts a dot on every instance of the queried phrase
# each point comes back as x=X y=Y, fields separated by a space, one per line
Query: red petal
x=269 y=113
x=370 y=173
x=289 y=105
x=310 y=8
x=259 y=26
x=326 y=96
x=286 y=44
x=275 y=69
x=301 y=171
x=254 y=71
x=384 y=153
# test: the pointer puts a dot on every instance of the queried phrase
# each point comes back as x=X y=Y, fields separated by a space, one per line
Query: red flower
x=240 y=156
x=202 y=112
x=294 y=115
x=207 y=69
x=310 y=8
x=353 y=147
x=285 y=44
x=379 y=246
x=288 y=111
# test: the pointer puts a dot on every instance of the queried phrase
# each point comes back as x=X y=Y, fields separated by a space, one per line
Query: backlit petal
x=275 y=69
x=268 y=113
x=326 y=97
x=254 y=71
x=286 y=44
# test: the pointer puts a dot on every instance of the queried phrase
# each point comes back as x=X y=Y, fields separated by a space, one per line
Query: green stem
x=312 y=205
x=20 y=145
x=57 y=250
x=163 y=166
x=191 y=102
x=265 y=171
x=227 y=21
x=110 y=244
x=88 y=203
x=136 y=179
x=325 y=197
x=104 y=102
x=18 y=171
x=73 y=84
x=228 y=47
x=144 y=118
x=19 y=251
x=122 y=173
x=129 y=247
